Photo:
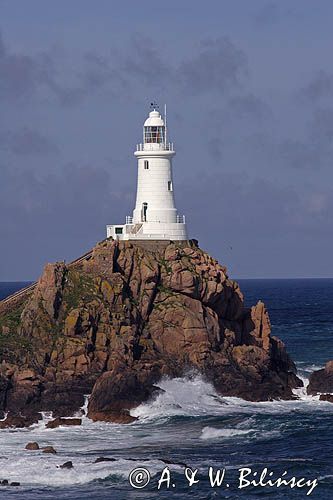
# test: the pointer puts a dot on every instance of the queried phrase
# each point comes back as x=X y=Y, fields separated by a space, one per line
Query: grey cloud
x=250 y=106
x=24 y=75
x=320 y=87
x=247 y=208
x=315 y=149
x=274 y=12
x=300 y=154
x=321 y=128
x=27 y=141
x=269 y=14
x=218 y=66
x=144 y=60
x=19 y=73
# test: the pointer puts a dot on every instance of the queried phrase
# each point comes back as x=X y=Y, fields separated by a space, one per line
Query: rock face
x=326 y=397
x=124 y=317
x=321 y=380
x=62 y=422
x=32 y=446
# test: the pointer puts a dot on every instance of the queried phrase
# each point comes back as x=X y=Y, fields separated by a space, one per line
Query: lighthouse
x=155 y=216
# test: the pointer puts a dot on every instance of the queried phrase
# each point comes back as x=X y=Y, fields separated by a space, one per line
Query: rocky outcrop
x=129 y=314
x=326 y=397
x=63 y=422
x=32 y=446
x=321 y=380
x=49 y=449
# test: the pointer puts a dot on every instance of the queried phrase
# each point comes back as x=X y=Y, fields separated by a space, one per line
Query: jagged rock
x=114 y=324
x=49 y=449
x=20 y=421
x=67 y=465
x=15 y=483
x=63 y=422
x=321 y=380
x=104 y=459
x=326 y=397
x=32 y=446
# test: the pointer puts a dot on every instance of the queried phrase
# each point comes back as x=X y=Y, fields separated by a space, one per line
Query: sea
x=189 y=434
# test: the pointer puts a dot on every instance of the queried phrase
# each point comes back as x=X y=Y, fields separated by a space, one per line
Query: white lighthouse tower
x=155 y=216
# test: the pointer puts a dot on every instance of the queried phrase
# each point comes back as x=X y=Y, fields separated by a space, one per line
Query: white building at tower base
x=155 y=216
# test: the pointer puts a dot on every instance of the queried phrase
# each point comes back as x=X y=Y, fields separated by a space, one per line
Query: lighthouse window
x=154 y=134
x=169 y=185
x=146 y=164
x=119 y=230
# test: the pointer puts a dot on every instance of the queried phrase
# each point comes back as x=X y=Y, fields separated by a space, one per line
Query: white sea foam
x=213 y=433
x=182 y=397
x=195 y=397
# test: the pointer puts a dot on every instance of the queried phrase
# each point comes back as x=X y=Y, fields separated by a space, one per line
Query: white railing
x=129 y=219
x=155 y=146
x=180 y=219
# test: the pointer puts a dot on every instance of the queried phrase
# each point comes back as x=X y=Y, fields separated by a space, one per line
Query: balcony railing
x=180 y=219
x=155 y=146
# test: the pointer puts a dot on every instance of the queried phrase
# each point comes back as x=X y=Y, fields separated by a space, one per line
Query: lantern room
x=154 y=129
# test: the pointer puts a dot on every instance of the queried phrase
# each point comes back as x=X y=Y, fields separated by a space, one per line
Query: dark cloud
x=299 y=155
x=320 y=87
x=275 y=12
x=19 y=73
x=24 y=76
x=322 y=125
x=269 y=14
x=145 y=60
x=55 y=215
x=26 y=141
x=248 y=151
x=218 y=66
x=248 y=105
x=314 y=151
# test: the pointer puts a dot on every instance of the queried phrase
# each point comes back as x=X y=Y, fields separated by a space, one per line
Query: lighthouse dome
x=154 y=120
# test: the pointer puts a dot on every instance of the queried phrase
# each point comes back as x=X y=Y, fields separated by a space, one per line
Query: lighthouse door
x=144 y=212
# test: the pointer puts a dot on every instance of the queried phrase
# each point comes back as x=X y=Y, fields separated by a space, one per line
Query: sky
x=249 y=90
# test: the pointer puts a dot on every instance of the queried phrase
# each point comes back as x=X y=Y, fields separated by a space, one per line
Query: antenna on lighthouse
x=165 y=125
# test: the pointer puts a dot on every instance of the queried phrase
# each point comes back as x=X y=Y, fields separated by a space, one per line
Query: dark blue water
x=190 y=424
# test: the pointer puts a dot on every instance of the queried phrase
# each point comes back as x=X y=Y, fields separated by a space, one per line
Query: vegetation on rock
x=128 y=315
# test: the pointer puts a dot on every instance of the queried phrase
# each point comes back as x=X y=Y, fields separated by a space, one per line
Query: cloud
x=24 y=76
x=248 y=105
x=27 y=141
x=299 y=154
x=320 y=87
x=274 y=12
x=269 y=14
x=144 y=60
x=315 y=149
x=322 y=125
x=218 y=66
x=19 y=73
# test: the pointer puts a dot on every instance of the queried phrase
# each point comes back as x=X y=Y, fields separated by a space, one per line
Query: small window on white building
x=118 y=230
x=169 y=185
x=146 y=164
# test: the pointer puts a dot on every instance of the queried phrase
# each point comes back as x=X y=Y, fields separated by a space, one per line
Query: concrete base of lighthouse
x=174 y=231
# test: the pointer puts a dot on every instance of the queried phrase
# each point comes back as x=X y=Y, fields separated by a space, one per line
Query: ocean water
x=189 y=424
